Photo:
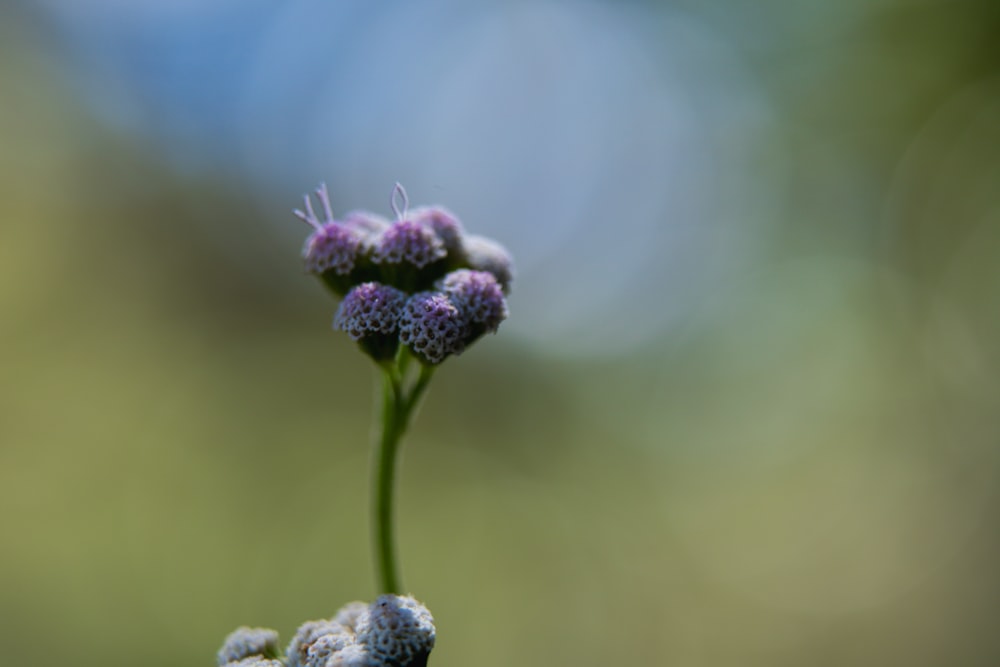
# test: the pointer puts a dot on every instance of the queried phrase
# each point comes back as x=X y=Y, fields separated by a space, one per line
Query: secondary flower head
x=245 y=642
x=432 y=326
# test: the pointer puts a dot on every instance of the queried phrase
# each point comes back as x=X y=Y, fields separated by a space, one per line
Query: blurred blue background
x=746 y=409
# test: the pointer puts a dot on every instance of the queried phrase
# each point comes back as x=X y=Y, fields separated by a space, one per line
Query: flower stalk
x=399 y=401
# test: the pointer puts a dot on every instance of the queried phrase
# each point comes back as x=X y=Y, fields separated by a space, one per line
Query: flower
x=479 y=298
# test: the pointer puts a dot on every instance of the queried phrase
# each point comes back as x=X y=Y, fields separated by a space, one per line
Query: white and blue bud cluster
x=419 y=280
x=393 y=631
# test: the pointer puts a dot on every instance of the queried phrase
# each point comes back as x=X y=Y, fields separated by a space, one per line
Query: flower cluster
x=419 y=280
x=393 y=631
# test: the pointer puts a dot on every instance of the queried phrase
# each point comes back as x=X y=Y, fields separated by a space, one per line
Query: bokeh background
x=746 y=410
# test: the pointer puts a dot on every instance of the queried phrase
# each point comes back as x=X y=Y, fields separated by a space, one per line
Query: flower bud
x=333 y=251
x=479 y=299
x=484 y=254
x=409 y=255
x=319 y=653
x=432 y=326
x=370 y=314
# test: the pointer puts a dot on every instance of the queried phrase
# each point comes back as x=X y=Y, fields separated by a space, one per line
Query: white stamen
x=324 y=198
x=399 y=192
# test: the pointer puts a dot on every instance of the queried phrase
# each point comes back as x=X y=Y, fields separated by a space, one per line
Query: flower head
x=370 y=315
x=398 y=630
x=369 y=309
x=408 y=241
x=332 y=246
x=432 y=326
x=478 y=296
x=484 y=254
x=320 y=651
x=247 y=642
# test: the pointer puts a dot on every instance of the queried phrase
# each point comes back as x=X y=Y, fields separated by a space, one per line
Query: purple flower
x=332 y=246
x=478 y=296
x=484 y=254
x=370 y=309
x=408 y=241
x=432 y=326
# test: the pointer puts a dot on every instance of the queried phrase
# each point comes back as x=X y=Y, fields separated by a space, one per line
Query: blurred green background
x=800 y=466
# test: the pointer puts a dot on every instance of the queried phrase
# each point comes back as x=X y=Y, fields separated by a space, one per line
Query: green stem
x=398 y=405
x=387 y=570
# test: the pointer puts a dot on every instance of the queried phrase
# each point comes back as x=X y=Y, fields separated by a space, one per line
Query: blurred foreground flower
x=393 y=631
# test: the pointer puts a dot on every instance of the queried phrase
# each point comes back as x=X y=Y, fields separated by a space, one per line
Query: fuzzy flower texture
x=393 y=631
x=419 y=281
